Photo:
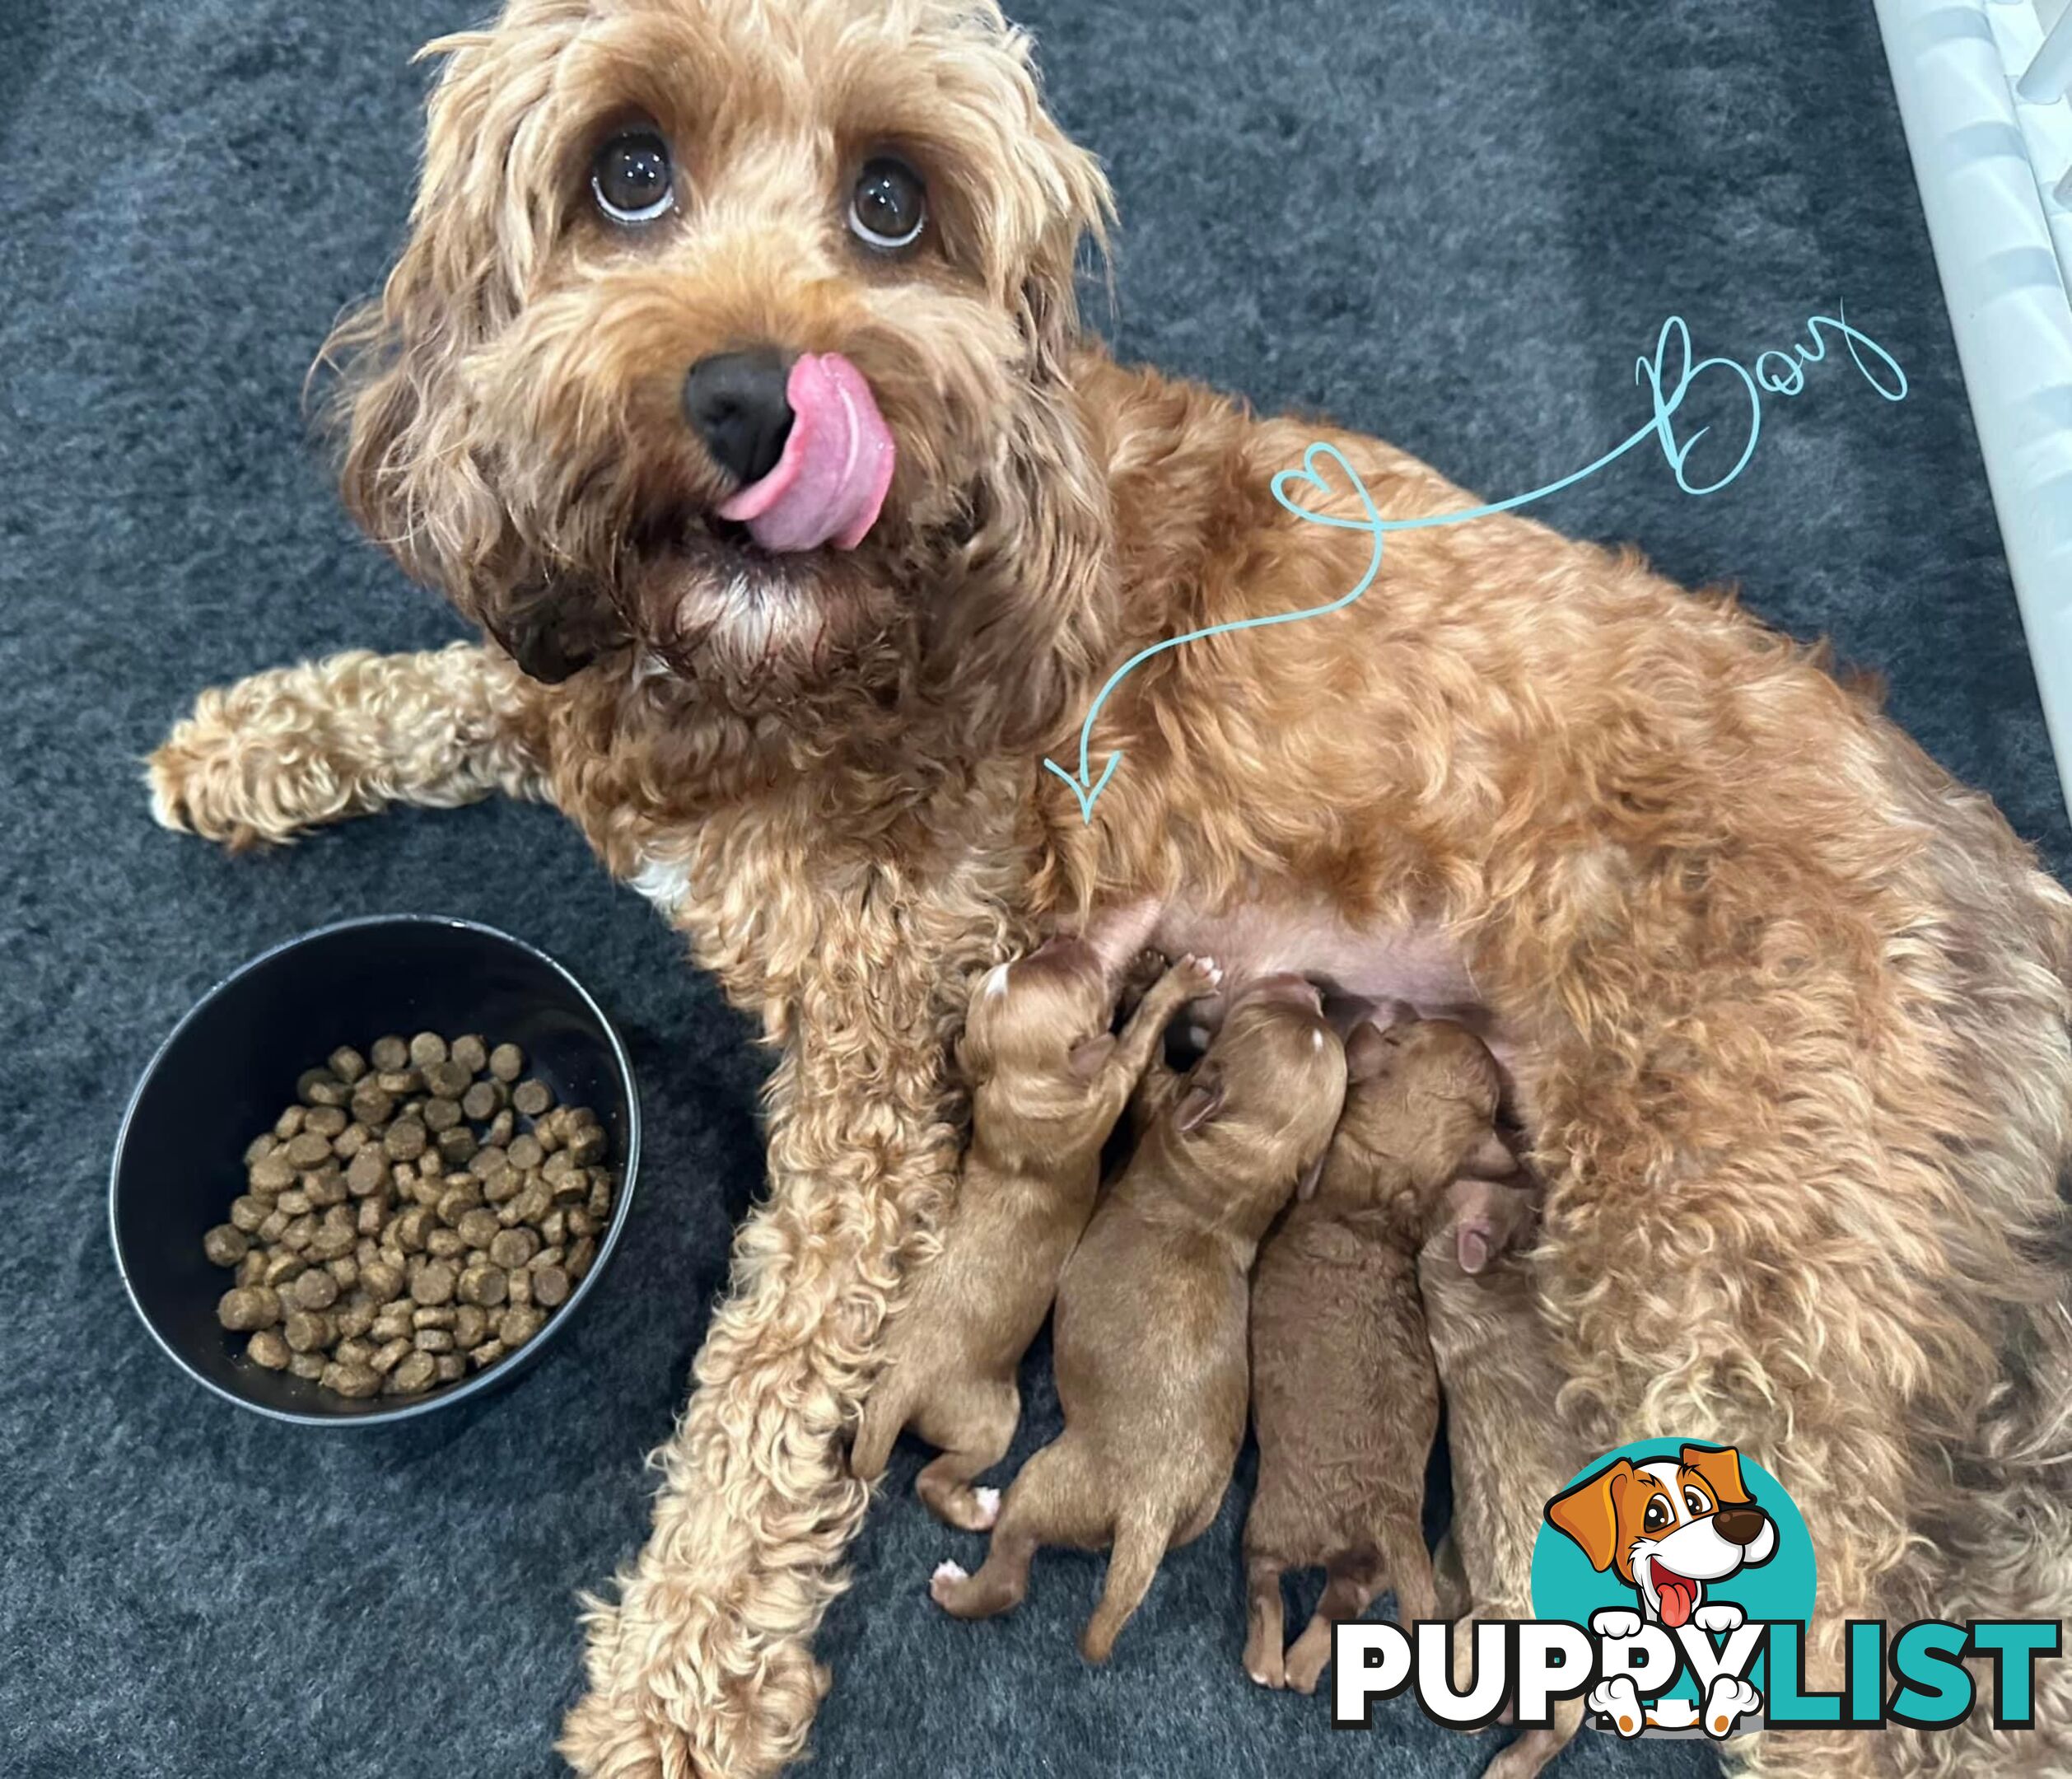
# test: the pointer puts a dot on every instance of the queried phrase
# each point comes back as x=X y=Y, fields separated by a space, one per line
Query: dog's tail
x=1140 y=1547
x=885 y=1415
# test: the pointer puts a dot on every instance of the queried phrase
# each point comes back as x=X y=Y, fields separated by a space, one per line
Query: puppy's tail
x=1140 y=1547
x=885 y=1414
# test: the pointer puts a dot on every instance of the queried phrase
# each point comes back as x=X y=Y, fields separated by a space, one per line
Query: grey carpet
x=1457 y=224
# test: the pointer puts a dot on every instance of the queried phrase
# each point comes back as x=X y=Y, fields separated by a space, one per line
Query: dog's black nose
x=1740 y=1525
x=735 y=402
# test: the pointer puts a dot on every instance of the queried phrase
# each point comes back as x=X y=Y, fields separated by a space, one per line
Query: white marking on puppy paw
x=988 y=1500
x=1719 y=1618
x=1729 y=1700
x=950 y=1572
x=1619 y=1700
x=1616 y=1622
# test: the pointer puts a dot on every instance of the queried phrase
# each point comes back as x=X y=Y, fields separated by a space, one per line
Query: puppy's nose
x=1739 y=1525
x=735 y=402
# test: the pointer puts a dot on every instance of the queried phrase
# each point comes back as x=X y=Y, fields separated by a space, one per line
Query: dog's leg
x=1265 y=1660
x=1051 y=1502
x=297 y=747
x=1524 y=1757
x=1352 y=1585
x=976 y=1428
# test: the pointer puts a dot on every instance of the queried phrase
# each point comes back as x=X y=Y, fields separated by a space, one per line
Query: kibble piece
x=300 y=1233
x=251 y=1270
x=272 y=1175
x=409 y=1229
x=425 y=1189
x=433 y=1283
x=500 y=1128
x=414 y=1374
x=427 y=1048
x=372 y=1218
x=451 y=1365
x=525 y=1154
x=389 y=1355
x=471 y=1051
x=438 y=1316
x=282 y=1268
x=518 y=1288
x=294 y=1203
x=226 y=1245
x=308 y=1366
x=586 y=1146
x=549 y=1138
x=392 y=1321
x=532 y=1203
x=458 y=1199
x=390 y=1052
x=350 y=1380
x=266 y=1348
x=325 y=1185
x=514 y=1247
x=368 y=1173
x=487 y=1354
x=550 y=1287
x=288 y=1122
x=308 y=1329
x=331 y=1242
x=507 y=1062
x=486 y=1285
x=320 y=1087
x=443 y=1243
x=447 y=1080
x=553 y=1229
x=373 y=1105
x=434 y=1340
x=327 y=1121
x=346 y=1063
x=518 y=1325
x=366 y=1250
x=355 y=1321
x=352 y=1351
x=308 y=1149
x=478 y=1226
x=532 y=1098
x=405 y=1139
x=399 y=1084
x=315 y=1289
x=258 y=1149
x=270 y=1230
x=345 y=1269
x=248 y=1307
x=349 y=1143
x=442 y=1114
x=457 y=1146
x=479 y=1101
x=581 y=1256
x=470 y=1326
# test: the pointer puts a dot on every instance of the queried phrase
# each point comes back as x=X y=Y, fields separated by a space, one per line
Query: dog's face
x=728 y=333
x=1420 y=1097
x=1668 y=1528
x=1039 y=1027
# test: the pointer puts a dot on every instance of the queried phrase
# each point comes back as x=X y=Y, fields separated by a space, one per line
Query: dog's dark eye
x=890 y=208
x=1657 y=1516
x=630 y=177
x=1696 y=1502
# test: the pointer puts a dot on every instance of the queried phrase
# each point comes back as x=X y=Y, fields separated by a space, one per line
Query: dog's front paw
x=1727 y=1701
x=1718 y=1619
x=1615 y=1624
x=1197 y=976
x=1619 y=1700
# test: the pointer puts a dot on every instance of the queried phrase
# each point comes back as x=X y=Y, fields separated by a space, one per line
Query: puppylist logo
x=1673 y=1584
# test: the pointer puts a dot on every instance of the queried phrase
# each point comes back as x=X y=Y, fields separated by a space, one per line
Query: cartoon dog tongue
x=830 y=482
x=1679 y=1596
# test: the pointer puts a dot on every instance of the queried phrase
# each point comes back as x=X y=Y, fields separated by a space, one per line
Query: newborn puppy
x=1048 y=1083
x=1150 y=1333
x=1511 y=1450
x=1345 y=1398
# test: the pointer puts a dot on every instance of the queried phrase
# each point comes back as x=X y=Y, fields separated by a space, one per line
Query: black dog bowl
x=231 y=1066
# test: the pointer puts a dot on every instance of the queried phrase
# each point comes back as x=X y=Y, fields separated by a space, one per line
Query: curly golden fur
x=1784 y=1009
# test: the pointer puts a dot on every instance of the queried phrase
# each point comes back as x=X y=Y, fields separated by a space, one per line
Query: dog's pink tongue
x=1678 y=1597
x=830 y=482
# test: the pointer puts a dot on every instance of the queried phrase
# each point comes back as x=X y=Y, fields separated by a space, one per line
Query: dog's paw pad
x=988 y=1501
x=950 y=1572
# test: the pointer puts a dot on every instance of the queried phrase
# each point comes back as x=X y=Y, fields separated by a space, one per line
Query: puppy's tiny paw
x=1198 y=975
x=1719 y=1618
x=943 y=1584
x=988 y=1501
x=1616 y=1622
x=1727 y=1701
x=1620 y=1701
x=950 y=1572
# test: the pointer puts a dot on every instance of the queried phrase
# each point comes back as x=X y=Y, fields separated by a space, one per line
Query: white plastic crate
x=1984 y=87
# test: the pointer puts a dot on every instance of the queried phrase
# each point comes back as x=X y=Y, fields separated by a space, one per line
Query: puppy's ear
x=1090 y=1055
x=1474 y=1241
x=554 y=632
x=1367 y=1052
x=1719 y=1467
x=1490 y=1159
x=1202 y=1101
x=1588 y=1512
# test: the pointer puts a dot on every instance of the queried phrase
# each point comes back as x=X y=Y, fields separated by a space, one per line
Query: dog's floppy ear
x=1202 y=1101
x=1490 y=1159
x=1719 y=1467
x=1090 y=1055
x=1588 y=1512
x=552 y=632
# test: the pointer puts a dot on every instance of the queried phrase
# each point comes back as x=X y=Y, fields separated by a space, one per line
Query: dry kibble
x=382 y=1282
x=507 y=1062
x=525 y=1155
x=270 y=1230
x=308 y=1329
x=586 y=1146
x=251 y=1270
x=427 y=1048
x=487 y=1354
x=288 y=1122
x=349 y=1380
x=345 y=1269
x=471 y=1051
x=451 y=1365
x=514 y=1247
x=443 y=1243
x=441 y=1115
x=332 y=1242
x=478 y=1226
x=349 y=1142
x=389 y=1355
x=266 y=1348
x=274 y=1174
x=390 y=1052
x=392 y=1321
x=405 y=1141
x=325 y=1186
x=356 y=1320
x=329 y=1122
x=532 y=1098
x=479 y=1101
x=486 y=1285
x=470 y=1326
x=308 y=1366
x=518 y=1325
x=433 y=1283
x=226 y=1245
x=414 y=1374
x=440 y=1316
x=501 y=1128
x=293 y=1202
x=351 y=1351
x=300 y=1233
x=315 y=1290
x=368 y=1173
x=434 y=1340
x=281 y=1267
x=580 y=1257
x=399 y=1084
x=518 y=1288
x=549 y=1287
x=308 y=1149
x=261 y=1146
x=346 y=1063
x=248 y=1307
x=314 y=1086
x=532 y=1203
x=373 y=1217
x=373 y=1105
x=447 y=1080
x=457 y=1146
x=461 y=1196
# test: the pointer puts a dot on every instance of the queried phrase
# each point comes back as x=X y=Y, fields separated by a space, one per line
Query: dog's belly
x=1360 y=970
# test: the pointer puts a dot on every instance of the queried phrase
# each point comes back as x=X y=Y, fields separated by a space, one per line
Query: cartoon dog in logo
x=1667 y=1529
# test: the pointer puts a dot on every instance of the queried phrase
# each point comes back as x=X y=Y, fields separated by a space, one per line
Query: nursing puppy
x=1048 y=1082
x=1508 y=1448
x=1149 y=1332
x=1345 y=1399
